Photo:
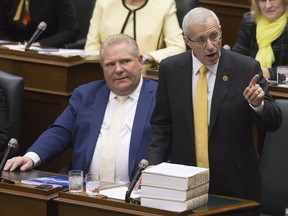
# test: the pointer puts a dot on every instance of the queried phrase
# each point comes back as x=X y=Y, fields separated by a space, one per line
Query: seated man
x=85 y=124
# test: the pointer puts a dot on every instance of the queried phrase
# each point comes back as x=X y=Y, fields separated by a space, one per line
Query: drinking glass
x=75 y=181
x=92 y=184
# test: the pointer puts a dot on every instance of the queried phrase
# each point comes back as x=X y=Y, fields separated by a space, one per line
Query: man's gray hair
x=198 y=16
x=119 y=38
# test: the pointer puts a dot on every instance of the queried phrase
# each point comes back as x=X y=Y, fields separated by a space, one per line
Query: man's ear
x=186 y=41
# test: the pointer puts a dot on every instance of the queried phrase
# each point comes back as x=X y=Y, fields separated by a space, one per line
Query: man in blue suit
x=85 y=123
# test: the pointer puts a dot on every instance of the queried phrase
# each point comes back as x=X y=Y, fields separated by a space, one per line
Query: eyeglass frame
x=201 y=42
x=265 y=1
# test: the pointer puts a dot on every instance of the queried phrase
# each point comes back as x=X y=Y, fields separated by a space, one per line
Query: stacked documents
x=174 y=187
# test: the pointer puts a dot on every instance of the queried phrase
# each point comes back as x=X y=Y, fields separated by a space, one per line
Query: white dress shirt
x=211 y=76
x=122 y=158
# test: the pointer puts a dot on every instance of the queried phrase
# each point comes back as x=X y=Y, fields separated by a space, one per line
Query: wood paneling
x=230 y=15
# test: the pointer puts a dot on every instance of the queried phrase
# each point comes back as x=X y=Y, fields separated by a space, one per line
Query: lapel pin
x=225 y=78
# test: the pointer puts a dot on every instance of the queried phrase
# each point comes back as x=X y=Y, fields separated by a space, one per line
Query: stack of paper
x=174 y=187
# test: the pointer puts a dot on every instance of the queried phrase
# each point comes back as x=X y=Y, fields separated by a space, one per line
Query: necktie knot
x=122 y=98
x=203 y=69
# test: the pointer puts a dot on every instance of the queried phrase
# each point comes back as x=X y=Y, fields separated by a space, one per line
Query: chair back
x=13 y=87
x=183 y=7
x=274 y=161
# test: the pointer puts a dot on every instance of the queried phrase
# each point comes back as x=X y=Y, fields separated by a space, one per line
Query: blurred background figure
x=19 y=20
x=152 y=23
x=264 y=35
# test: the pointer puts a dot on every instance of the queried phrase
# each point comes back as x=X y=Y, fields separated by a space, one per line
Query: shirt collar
x=197 y=64
x=134 y=95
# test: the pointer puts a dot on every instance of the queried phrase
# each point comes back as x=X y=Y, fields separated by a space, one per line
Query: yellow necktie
x=109 y=152
x=201 y=119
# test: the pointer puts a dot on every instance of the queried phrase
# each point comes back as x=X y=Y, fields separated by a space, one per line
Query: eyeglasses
x=201 y=41
x=265 y=1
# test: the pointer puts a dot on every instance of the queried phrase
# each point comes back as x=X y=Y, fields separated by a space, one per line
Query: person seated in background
x=85 y=124
x=264 y=35
x=152 y=23
x=3 y=122
x=19 y=20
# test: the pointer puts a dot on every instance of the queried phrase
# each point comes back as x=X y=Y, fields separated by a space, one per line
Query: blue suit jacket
x=80 y=123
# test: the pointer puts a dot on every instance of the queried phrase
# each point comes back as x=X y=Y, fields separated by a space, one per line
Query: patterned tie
x=108 y=157
x=25 y=15
x=201 y=119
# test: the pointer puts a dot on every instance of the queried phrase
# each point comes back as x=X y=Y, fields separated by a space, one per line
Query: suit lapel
x=143 y=111
x=183 y=78
x=222 y=84
x=97 y=116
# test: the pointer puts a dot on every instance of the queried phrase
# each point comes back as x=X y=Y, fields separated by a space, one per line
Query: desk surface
x=83 y=204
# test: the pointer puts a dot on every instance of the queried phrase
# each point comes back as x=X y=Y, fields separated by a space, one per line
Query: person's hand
x=36 y=44
x=24 y=163
x=253 y=93
x=138 y=184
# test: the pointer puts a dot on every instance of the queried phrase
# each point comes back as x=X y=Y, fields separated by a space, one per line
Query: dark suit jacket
x=80 y=123
x=3 y=122
x=246 y=44
x=59 y=15
x=233 y=159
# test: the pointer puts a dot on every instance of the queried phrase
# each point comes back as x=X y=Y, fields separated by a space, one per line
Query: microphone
x=11 y=146
x=41 y=27
x=142 y=166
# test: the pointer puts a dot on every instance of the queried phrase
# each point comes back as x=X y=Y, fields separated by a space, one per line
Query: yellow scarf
x=266 y=33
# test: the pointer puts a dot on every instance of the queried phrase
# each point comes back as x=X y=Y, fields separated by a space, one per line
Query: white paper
x=55 y=51
x=119 y=193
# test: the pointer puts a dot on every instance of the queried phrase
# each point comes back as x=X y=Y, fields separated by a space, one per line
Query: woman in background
x=152 y=23
x=264 y=35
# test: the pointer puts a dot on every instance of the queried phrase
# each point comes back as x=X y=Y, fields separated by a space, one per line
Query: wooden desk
x=19 y=199
x=80 y=204
x=278 y=91
x=230 y=14
x=60 y=202
x=48 y=83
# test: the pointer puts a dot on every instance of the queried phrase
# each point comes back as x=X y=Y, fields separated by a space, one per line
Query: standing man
x=85 y=125
x=236 y=96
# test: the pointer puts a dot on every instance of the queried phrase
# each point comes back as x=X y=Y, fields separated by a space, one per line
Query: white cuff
x=259 y=109
x=34 y=157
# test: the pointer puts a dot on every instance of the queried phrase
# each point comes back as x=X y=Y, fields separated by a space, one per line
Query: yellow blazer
x=157 y=29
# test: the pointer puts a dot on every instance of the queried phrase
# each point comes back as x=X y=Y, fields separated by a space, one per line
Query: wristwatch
x=146 y=58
